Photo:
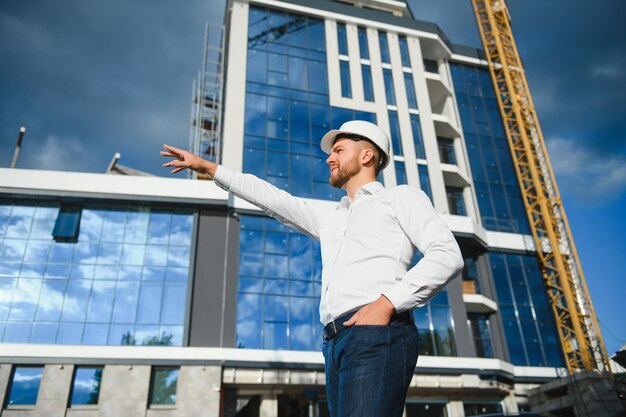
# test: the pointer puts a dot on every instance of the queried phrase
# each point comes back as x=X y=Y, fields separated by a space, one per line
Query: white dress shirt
x=367 y=244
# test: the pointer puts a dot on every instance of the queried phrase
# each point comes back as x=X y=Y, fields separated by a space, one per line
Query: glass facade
x=86 y=385
x=434 y=322
x=285 y=119
x=497 y=190
x=527 y=317
x=123 y=282
x=279 y=287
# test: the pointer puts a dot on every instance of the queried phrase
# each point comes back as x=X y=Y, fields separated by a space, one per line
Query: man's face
x=343 y=162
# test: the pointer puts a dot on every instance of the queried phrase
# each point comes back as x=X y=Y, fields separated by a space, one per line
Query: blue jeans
x=369 y=369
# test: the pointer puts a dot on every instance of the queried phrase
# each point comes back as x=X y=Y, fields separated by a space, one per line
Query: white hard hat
x=362 y=128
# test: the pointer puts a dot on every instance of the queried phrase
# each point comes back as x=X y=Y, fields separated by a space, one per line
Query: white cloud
x=585 y=174
x=65 y=154
x=612 y=68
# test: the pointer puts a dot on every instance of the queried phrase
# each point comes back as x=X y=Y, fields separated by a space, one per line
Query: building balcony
x=453 y=176
x=444 y=126
x=437 y=91
x=478 y=303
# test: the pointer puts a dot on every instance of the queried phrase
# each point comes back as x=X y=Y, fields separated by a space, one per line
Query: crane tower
x=576 y=320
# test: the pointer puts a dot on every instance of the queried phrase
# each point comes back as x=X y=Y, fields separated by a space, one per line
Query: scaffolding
x=205 y=136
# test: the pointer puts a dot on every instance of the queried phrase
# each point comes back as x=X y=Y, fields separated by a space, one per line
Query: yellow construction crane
x=571 y=303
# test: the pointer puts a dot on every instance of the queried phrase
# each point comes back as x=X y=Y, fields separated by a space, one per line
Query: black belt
x=331 y=329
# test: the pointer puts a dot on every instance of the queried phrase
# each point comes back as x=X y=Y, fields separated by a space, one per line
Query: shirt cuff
x=223 y=177
x=400 y=296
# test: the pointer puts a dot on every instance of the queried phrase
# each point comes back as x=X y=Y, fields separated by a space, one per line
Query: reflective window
x=497 y=189
x=446 y=150
x=364 y=49
x=344 y=69
x=422 y=171
x=471 y=284
x=456 y=202
x=124 y=281
x=163 y=385
x=368 y=88
x=431 y=66
x=279 y=287
x=529 y=325
x=417 y=136
x=384 y=48
x=24 y=385
x=394 y=130
x=391 y=95
x=86 y=385
x=479 y=331
x=342 y=39
x=66 y=225
x=404 y=51
x=434 y=322
x=410 y=90
x=400 y=172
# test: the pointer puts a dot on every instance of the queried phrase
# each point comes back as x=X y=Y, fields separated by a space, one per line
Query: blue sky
x=90 y=78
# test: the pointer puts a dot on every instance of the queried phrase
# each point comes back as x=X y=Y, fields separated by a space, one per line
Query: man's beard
x=344 y=173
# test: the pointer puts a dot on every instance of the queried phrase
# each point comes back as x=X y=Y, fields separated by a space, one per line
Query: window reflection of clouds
x=44 y=333
x=13 y=249
x=126 y=300
x=20 y=221
x=150 y=303
x=51 y=300
x=112 y=249
x=43 y=222
x=159 y=228
x=25 y=299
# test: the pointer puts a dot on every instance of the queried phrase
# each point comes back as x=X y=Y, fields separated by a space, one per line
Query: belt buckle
x=334 y=328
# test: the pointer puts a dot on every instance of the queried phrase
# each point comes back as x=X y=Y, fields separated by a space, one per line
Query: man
x=368 y=242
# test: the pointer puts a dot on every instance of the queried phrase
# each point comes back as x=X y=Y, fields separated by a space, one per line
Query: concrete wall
x=124 y=392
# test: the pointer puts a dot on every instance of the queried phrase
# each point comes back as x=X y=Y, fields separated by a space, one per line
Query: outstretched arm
x=281 y=205
x=186 y=160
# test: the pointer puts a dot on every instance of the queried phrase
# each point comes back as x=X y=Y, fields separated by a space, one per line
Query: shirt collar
x=368 y=189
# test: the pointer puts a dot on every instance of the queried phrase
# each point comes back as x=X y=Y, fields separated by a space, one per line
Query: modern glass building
x=146 y=296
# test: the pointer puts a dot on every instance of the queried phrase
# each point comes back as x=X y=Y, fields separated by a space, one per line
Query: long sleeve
x=292 y=211
x=442 y=257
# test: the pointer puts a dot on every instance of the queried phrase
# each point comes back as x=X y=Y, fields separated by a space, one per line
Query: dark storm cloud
x=89 y=78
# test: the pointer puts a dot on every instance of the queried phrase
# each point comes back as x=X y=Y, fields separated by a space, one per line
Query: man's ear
x=367 y=155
